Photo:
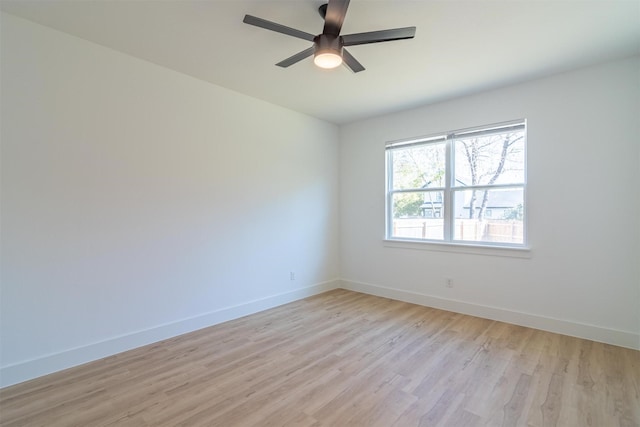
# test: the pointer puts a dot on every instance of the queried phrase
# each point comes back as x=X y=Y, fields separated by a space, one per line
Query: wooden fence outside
x=467 y=229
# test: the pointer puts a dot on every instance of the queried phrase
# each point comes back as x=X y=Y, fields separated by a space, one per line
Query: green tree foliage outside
x=516 y=213
x=408 y=205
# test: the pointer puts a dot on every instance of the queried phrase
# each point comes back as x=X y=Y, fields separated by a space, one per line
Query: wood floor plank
x=343 y=358
x=514 y=407
x=552 y=404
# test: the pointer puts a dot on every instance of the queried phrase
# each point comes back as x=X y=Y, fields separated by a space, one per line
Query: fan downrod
x=322 y=10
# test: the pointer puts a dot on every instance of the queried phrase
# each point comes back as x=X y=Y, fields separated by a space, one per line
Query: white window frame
x=449 y=189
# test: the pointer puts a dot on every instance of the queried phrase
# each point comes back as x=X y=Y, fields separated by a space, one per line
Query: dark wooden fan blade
x=296 y=58
x=350 y=62
x=268 y=25
x=336 y=10
x=379 y=36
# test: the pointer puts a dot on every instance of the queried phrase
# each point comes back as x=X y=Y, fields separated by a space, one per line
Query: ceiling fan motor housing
x=326 y=43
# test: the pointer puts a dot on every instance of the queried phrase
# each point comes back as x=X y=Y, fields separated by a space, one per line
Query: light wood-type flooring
x=344 y=359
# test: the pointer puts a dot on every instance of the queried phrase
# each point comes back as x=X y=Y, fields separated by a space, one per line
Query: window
x=463 y=187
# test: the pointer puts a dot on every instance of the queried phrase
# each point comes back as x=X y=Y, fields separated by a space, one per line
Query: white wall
x=582 y=277
x=139 y=203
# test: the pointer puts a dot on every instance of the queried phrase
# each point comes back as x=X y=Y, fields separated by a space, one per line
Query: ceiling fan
x=328 y=47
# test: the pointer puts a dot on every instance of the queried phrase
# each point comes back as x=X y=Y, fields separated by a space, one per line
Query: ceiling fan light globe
x=327 y=60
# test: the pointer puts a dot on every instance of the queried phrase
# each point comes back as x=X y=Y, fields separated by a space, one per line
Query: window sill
x=461 y=248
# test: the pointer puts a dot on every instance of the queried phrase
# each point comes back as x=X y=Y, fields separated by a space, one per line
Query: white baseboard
x=580 y=330
x=34 y=368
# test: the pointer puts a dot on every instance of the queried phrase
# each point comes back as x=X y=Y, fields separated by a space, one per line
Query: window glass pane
x=489 y=159
x=418 y=215
x=418 y=167
x=504 y=224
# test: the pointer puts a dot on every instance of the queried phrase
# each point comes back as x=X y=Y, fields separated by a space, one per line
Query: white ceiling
x=460 y=47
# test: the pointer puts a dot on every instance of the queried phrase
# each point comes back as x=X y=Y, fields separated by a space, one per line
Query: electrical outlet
x=448 y=282
x=292 y=275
